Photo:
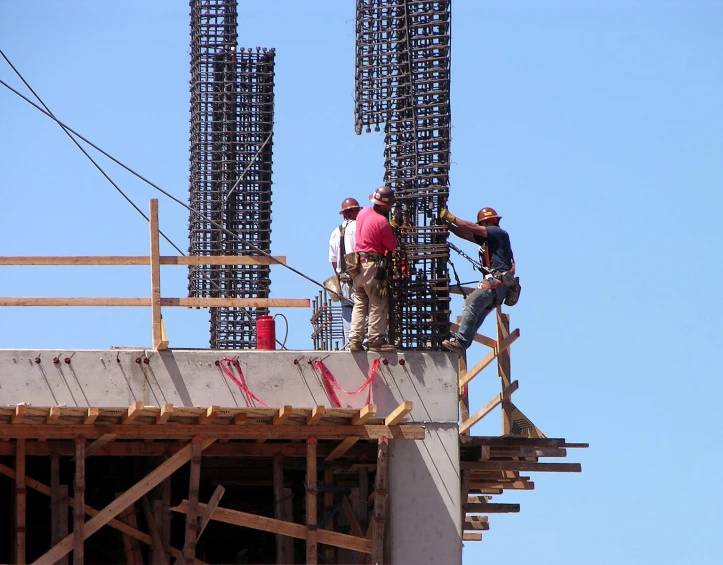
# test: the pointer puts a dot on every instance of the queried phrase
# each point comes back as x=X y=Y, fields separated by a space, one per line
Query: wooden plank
x=156 y=331
x=99 y=443
x=159 y=556
x=510 y=485
x=329 y=551
x=463 y=393
x=211 y=413
x=53 y=414
x=20 y=411
x=282 y=415
x=137 y=301
x=166 y=413
x=491 y=508
x=504 y=368
x=521 y=466
x=240 y=418
x=89 y=510
x=142 y=487
x=182 y=431
x=364 y=414
x=281 y=527
x=79 y=505
x=213 y=503
x=278 y=473
x=471 y=536
x=342 y=448
x=120 y=260
x=476 y=523
x=317 y=413
x=380 y=501
x=91 y=416
x=399 y=413
x=189 y=547
x=132 y=413
x=311 y=510
x=133 y=552
x=351 y=517
x=479 y=338
x=481 y=413
x=20 y=502
x=58 y=506
x=491 y=356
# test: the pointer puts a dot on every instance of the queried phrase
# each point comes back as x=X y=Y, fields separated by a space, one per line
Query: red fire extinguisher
x=265 y=333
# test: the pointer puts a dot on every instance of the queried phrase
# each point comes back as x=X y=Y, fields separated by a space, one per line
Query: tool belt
x=367 y=256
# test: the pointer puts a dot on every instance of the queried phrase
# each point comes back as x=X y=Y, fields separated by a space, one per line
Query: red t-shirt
x=373 y=233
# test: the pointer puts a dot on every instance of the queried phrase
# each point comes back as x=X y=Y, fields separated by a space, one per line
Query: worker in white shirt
x=342 y=242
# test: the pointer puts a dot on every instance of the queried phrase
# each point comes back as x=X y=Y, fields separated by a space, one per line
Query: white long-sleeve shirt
x=349 y=242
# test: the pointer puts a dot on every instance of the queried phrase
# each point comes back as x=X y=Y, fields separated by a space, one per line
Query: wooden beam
x=281 y=527
x=89 y=510
x=282 y=415
x=53 y=415
x=213 y=503
x=278 y=472
x=327 y=510
x=380 y=501
x=491 y=508
x=188 y=431
x=317 y=413
x=471 y=536
x=504 y=368
x=364 y=414
x=58 y=506
x=487 y=408
x=211 y=413
x=476 y=523
x=179 y=302
x=79 y=504
x=159 y=556
x=342 y=448
x=120 y=260
x=99 y=443
x=20 y=502
x=20 y=411
x=311 y=510
x=91 y=416
x=166 y=413
x=157 y=338
x=463 y=393
x=351 y=517
x=399 y=413
x=479 y=338
x=521 y=466
x=491 y=356
x=119 y=504
x=240 y=418
x=132 y=413
x=189 y=547
x=510 y=485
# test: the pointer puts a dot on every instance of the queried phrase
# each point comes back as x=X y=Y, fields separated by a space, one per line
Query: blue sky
x=595 y=128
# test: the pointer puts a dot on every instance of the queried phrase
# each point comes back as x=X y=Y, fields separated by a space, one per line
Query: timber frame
x=491 y=465
x=318 y=436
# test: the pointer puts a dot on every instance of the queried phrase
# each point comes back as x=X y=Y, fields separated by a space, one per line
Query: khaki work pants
x=368 y=303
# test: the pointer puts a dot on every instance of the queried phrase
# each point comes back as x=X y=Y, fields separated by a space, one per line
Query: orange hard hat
x=349 y=204
x=383 y=196
x=488 y=214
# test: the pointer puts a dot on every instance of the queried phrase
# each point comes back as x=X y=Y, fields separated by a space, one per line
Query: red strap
x=330 y=382
x=241 y=381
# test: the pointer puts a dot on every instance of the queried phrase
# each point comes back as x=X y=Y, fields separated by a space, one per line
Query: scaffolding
x=232 y=114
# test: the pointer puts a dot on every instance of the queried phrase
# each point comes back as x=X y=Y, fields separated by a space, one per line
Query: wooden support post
x=463 y=393
x=130 y=549
x=504 y=369
x=158 y=556
x=380 y=502
x=20 y=501
x=464 y=495
x=58 y=506
x=311 y=545
x=157 y=325
x=213 y=503
x=105 y=515
x=189 y=548
x=281 y=557
x=79 y=508
x=363 y=508
x=166 y=516
x=328 y=507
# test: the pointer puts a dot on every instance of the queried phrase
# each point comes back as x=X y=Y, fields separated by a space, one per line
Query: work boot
x=355 y=346
x=454 y=345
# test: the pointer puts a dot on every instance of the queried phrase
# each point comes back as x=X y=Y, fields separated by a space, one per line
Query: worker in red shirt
x=374 y=240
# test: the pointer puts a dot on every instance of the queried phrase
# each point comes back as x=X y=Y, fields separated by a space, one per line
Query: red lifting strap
x=240 y=381
x=330 y=382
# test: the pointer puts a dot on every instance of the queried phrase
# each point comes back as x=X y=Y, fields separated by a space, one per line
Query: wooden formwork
x=332 y=438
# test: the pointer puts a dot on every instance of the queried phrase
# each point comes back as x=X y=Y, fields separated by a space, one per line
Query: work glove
x=447 y=216
x=393 y=223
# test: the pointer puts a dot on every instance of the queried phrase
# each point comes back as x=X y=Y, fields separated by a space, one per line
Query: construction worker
x=374 y=240
x=341 y=242
x=496 y=257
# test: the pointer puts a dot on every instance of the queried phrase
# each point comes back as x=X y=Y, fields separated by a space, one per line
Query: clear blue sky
x=595 y=128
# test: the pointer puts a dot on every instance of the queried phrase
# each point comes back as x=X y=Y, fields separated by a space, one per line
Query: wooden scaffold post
x=79 y=507
x=380 y=502
x=311 y=512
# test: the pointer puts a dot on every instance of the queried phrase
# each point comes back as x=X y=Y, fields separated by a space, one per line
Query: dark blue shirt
x=499 y=249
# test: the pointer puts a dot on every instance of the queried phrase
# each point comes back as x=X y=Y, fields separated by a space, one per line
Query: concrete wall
x=424 y=502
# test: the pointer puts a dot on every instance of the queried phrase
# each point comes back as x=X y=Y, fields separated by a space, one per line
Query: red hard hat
x=349 y=204
x=487 y=214
x=383 y=196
